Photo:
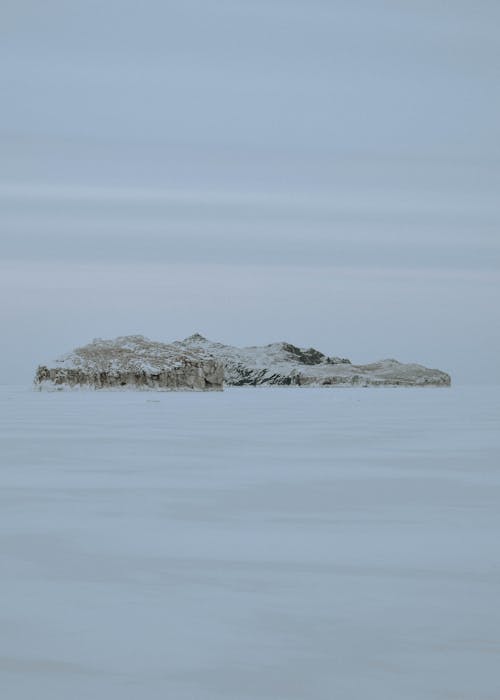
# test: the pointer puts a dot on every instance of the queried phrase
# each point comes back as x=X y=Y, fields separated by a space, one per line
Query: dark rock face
x=188 y=376
x=305 y=357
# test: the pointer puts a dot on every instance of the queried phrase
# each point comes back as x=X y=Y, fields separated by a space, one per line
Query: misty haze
x=249 y=300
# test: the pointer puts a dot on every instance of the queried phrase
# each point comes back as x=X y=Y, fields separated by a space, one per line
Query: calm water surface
x=256 y=544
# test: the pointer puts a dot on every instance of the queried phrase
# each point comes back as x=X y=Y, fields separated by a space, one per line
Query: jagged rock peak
x=311 y=356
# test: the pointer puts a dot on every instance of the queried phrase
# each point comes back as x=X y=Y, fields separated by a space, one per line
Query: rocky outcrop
x=132 y=362
x=198 y=364
x=286 y=364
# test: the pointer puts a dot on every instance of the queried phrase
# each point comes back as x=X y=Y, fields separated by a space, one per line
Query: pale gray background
x=321 y=172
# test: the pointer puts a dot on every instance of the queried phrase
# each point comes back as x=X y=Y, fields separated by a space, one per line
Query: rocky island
x=198 y=364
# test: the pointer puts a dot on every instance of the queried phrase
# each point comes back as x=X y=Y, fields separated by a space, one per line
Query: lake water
x=256 y=544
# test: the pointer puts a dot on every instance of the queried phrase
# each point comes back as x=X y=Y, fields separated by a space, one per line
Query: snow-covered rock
x=132 y=362
x=285 y=364
x=200 y=364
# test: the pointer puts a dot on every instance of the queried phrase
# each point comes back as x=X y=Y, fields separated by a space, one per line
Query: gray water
x=256 y=544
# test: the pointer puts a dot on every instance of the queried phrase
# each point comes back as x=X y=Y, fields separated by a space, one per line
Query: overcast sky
x=318 y=171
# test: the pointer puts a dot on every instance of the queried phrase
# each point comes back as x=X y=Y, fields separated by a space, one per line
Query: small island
x=198 y=364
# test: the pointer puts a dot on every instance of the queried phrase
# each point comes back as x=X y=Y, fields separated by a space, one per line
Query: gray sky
x=322 y=172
